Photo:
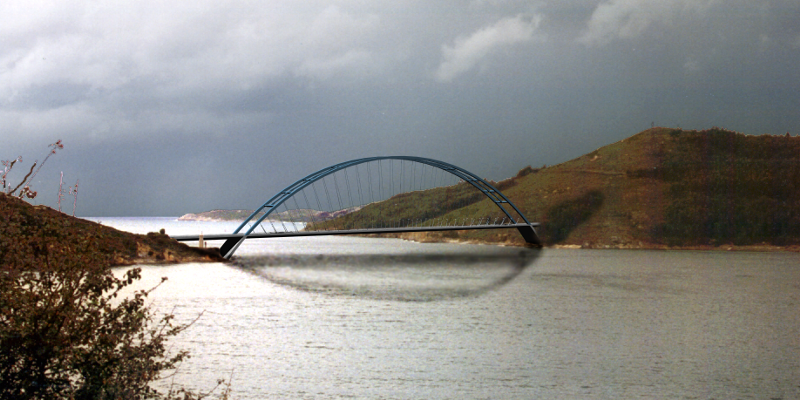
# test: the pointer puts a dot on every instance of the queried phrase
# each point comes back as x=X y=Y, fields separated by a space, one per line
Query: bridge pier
x=229 y=244
x=529 y=234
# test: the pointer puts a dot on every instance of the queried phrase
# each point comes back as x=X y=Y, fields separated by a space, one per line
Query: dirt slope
x=35 y=235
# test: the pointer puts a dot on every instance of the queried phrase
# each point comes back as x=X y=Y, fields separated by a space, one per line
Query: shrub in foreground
x=66 y=333
x=70 y=328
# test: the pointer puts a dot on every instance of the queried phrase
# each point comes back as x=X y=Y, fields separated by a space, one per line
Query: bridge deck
x=225 y=236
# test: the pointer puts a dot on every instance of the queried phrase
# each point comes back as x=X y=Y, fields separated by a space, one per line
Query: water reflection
x=416 y=277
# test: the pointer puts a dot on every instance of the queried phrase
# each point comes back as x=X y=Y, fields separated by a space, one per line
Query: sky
x=166 y=107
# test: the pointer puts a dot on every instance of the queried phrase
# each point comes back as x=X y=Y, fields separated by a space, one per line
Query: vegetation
x=67 y=331
x=65 y=336
x=567 y=215
x=659 y=188
x=21 y=190
x=437 y=206
x=662 y=187
x=37 y=228
x=725 y=187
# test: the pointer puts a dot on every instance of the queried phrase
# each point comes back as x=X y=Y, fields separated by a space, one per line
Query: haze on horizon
x=166 y=108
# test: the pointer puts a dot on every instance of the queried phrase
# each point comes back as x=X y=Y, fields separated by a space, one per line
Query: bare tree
x=25 y=190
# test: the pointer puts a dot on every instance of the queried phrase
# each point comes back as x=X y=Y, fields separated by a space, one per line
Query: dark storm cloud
x=171 y=108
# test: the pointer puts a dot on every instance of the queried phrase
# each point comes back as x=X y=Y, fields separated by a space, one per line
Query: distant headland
x=217 y=215
x=301 y=215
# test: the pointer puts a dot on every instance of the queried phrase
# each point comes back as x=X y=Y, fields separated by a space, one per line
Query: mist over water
x=336 y=317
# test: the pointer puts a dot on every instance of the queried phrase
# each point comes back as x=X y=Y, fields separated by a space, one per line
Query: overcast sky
x=171 y=107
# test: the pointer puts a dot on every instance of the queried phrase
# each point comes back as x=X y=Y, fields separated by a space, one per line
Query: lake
x=349 y=317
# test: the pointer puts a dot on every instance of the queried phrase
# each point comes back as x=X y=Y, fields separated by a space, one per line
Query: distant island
x=217 y=215
x=303 y=215
x=661 y=188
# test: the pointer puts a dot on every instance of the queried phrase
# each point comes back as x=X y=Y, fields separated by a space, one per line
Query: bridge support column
x=228 y=247
x=529 y=234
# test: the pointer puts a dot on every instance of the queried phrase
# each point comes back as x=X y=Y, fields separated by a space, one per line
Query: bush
x=65 y=334
x=65 y=330
x=526 y=171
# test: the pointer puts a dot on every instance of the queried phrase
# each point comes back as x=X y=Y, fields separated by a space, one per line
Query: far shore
x=593 y=246
x=726 y=247
x=420 y=237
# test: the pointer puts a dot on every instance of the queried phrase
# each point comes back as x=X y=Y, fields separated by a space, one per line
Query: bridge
x=391 y=194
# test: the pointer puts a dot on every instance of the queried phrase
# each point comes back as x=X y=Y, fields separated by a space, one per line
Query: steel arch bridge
x=372 y=177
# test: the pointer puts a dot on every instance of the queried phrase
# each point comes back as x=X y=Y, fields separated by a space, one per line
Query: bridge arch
x=515 y=217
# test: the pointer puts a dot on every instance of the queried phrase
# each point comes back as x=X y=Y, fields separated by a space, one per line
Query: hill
x=37 y=235
x=659 y=188
x=217 y=215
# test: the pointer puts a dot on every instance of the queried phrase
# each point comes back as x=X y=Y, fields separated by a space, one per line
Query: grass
x=659 y=187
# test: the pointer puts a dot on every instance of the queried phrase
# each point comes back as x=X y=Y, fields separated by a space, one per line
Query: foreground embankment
x=42 y=234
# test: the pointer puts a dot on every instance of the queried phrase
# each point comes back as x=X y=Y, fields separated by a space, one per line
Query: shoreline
x=422 y=237
x=762 y=248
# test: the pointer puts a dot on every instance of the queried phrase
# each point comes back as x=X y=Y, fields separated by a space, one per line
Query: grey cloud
x=168 y=107
x=468 y=51
x=49 y=96
x=624 y=19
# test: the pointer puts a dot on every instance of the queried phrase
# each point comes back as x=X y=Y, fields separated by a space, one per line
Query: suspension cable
x=310 y=213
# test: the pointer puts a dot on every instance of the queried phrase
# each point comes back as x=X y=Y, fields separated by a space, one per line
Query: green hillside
x=661 y=187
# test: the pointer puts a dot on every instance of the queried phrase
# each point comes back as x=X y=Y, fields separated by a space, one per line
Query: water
x=339 y=317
